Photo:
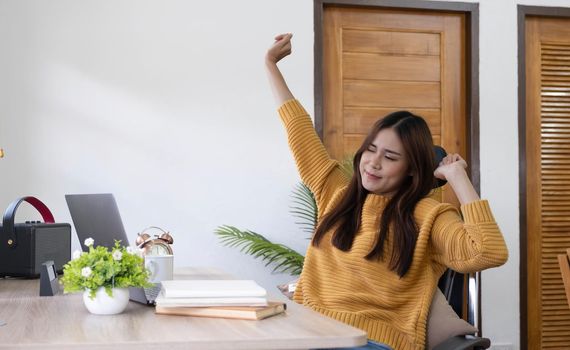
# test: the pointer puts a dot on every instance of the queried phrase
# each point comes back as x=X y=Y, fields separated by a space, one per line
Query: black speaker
x=24 y=247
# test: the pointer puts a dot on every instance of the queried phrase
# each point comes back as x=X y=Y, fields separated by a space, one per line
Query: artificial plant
x=283 y=258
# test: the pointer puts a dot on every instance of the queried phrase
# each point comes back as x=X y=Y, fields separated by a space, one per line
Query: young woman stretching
x=381 y=244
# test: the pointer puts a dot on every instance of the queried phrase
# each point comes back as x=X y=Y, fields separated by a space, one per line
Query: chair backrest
x=564 y=262
x=462 y=293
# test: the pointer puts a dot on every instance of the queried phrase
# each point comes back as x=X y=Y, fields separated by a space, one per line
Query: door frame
x=522 y=12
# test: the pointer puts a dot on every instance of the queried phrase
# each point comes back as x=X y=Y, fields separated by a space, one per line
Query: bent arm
x=452 y=168
x=462 y=186
x=473 y=244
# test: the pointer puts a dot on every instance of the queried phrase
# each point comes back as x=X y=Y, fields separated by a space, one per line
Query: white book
x=163 y=301
x=212 y=289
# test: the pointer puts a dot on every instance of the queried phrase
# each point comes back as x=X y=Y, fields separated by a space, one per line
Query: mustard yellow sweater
x=367 y=294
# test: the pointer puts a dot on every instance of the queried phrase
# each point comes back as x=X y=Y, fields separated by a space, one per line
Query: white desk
x=63 y=322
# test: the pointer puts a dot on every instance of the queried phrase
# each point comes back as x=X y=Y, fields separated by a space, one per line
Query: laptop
x=97 y=216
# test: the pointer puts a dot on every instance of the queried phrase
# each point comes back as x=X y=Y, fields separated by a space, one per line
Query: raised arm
x=280 y=49
x=317 y=170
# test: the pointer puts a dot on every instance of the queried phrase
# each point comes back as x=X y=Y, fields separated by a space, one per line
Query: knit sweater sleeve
x=317 y=169
x=468 y=245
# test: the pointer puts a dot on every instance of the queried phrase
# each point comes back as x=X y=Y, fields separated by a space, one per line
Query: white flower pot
x=103 y=304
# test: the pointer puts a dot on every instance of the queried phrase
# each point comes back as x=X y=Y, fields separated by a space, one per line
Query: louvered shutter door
x=549 y=231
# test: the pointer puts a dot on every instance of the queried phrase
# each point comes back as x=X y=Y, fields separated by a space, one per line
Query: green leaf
x=283 y=259
x=105 y=271
x=305 y=209
x=286 y=259
x=346 y=166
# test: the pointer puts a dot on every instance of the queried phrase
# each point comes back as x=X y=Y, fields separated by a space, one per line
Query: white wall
x=165 y=104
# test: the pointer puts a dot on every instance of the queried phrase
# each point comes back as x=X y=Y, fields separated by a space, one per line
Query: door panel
x=391 y=42
x=371 y=66
x=547 y=57
x=377 y=61
x=359 y=120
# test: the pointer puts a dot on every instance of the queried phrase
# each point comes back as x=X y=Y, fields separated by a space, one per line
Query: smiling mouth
x=372 y=175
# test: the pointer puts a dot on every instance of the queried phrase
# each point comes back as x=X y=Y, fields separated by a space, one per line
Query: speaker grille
x=53 y=243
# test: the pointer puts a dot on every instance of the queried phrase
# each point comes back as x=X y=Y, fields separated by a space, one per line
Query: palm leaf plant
x=282 y=258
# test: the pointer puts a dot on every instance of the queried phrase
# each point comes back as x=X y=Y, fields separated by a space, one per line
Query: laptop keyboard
x=152 y=292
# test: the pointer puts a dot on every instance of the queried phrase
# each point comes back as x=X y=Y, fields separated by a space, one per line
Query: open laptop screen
x=96 y=216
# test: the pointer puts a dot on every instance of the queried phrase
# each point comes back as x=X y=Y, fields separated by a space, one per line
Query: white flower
x=117 y=255
x=89 y=242
x=86 y=272
x=130 y=250
x=76 y=254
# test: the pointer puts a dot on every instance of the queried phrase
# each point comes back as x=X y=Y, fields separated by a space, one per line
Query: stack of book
x=243 y=299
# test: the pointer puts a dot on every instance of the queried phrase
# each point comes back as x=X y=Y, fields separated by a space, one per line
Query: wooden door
x=547 y=58
x=377 y=61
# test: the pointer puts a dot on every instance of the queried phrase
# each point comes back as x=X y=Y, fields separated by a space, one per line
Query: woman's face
x=384 y=165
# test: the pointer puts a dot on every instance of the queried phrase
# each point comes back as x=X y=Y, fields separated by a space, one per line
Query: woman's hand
x=280 y=48
x=450 y=166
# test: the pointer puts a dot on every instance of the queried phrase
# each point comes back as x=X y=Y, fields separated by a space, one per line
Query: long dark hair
x=398 y=214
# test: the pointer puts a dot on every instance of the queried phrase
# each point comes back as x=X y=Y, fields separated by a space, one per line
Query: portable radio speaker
x=24 y=247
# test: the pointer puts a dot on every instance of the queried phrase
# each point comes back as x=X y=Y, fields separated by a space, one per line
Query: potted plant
x=282 y=258
x=104 y=276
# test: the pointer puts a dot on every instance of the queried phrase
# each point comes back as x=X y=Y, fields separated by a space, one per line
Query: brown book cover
x=237 y=312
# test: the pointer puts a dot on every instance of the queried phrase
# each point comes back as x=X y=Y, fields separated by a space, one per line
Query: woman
x=381 y=243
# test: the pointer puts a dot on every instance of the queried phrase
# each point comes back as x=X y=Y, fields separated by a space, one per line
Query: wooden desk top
x=63 y=322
